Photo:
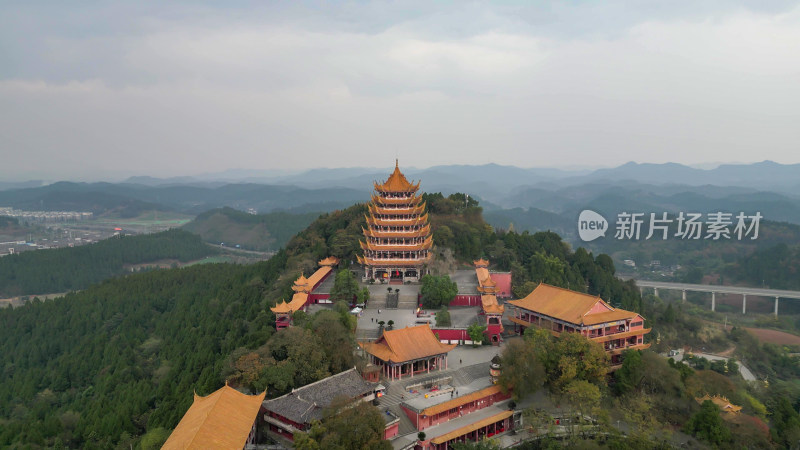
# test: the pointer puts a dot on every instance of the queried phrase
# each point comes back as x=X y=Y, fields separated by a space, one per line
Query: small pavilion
x=408 y=351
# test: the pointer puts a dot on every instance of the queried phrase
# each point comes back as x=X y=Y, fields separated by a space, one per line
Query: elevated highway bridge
x=777 y=294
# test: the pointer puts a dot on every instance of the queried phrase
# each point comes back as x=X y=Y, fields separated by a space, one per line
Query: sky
x=102 y=90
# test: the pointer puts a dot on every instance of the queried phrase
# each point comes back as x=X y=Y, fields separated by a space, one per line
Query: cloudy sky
x=103 y=90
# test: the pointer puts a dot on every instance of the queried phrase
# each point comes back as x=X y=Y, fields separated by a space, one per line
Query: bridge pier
x=683 y=296
x=655 y=292
x=713 y=301
x=776 y=306
x=744 y=303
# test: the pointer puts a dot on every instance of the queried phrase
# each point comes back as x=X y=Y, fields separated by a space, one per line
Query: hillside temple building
x=405 y=352
x=560 y=310
x=397 y=241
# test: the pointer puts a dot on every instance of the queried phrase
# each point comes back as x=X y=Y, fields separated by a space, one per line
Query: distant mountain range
x=530 y=199
x=765 y=175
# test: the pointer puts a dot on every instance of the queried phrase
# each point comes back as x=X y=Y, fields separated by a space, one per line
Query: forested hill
x=73 y=268
x=776 y=267
x=261 y=232
x=106 y=365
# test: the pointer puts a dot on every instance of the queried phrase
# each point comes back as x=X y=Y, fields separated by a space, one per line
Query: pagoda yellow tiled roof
x=406 y=344
x=397 y=182
x=220 y=420
x=374 y=209
x=420 y=220
x=424 y=231
x=481 y=263
x=570 y=306
x=427 y=244
x=405 y=262
x=414 y=200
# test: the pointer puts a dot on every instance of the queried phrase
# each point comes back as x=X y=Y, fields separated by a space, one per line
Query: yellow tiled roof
x=569 y=306
x=486 y=286
x=221 y=420
x=298 y=301
x=397 y=182
x=481 y=263
x=490 y=305
x=723 y=403
x=407 y=344
x=471 y=427
x=608 y=316
x=329 y=261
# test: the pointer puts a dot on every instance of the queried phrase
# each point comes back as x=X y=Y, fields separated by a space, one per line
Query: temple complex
x=397 y=240
x=224 y=419
x=408 y=351
x=560 y=310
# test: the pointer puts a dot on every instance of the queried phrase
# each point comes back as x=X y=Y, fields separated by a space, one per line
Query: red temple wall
x=391 y=431
x=503 y=280
x=466 y=300
x=451 y=334
x=455 y=413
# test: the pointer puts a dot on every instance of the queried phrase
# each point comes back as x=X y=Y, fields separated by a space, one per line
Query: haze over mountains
x=532 y=199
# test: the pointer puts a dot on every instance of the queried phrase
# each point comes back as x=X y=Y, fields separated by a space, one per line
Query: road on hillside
x=744 y=371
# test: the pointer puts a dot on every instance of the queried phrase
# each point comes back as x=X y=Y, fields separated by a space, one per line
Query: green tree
x=574 y=356
x=345 y=425
x=476 y=333
x=339 y=341
x=437 y=291
x=154 y=438
x=584 y=395
x=522 y=370
x=345 y=287
x=707 y=425
x=785 y=423
x=629 y=377
x=443 y=317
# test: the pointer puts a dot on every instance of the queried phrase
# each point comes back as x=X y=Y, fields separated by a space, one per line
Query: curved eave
x=396 y=201
x=394 y=262
x=406 y=187
x=423 y=219
x=398 y=248
x=424 y=231
x=375 y=209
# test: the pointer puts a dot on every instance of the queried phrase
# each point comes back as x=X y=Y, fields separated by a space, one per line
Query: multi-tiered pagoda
x=398 y=239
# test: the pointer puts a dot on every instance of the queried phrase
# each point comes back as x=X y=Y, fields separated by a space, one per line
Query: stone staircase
x=368 y=334
x=466 y=375
x=408 y=301
x=377 y=302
